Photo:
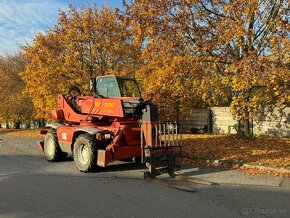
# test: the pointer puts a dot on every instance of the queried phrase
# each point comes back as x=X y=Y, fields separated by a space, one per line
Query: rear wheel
x=85 y=153
x=52 y=150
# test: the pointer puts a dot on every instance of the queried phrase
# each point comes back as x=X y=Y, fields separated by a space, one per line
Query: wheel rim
x=84 y=153
x=50 y=146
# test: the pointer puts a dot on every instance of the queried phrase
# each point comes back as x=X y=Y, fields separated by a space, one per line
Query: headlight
x=103 y=136
x=106 y=136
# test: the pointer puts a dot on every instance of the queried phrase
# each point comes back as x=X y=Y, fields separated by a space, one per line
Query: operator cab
x=115 y=86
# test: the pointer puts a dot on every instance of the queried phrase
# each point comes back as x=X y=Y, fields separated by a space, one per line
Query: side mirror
x=92 y=85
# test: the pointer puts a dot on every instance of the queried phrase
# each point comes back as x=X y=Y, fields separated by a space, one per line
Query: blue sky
x=20 y=20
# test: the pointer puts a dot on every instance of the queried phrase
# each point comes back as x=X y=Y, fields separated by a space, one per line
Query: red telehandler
x=115 y=123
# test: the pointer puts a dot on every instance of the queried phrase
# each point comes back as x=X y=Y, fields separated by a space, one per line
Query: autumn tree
x=83 y=44
x=233 y=52
x=168 y=71
x=14 y=106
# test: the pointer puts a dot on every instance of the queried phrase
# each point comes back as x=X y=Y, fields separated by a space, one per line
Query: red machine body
x=115 y=123
x=105 y=127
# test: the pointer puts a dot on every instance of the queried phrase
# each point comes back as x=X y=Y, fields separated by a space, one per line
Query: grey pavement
x=32 y=187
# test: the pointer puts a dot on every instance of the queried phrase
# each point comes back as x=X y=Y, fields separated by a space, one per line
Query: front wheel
x=85 y=153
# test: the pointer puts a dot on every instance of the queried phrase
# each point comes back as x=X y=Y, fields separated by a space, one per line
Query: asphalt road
x=32 y=187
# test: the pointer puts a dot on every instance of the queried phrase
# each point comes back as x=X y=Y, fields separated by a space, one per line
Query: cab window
x=107 y=87
x=128 y=88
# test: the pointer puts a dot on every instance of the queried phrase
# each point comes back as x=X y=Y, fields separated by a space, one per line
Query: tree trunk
x=41 y=123
x=245 y=129
x=16 y=125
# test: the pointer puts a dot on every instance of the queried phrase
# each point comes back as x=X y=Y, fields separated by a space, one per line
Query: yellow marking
x=109 y=104
x=107 y=110
x=97 y=103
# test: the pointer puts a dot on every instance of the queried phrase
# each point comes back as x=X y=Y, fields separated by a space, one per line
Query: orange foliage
x=83 y=44
x=263 y=151
x=14 y=106
x=228 y=52
x=27 y=133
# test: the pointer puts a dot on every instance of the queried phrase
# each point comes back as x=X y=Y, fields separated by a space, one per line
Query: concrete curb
x=277 y=169
x=240 y=164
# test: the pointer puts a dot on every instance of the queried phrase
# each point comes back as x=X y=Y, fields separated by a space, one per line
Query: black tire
x=51 y=149
x=138 y=160
x=85 y=153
